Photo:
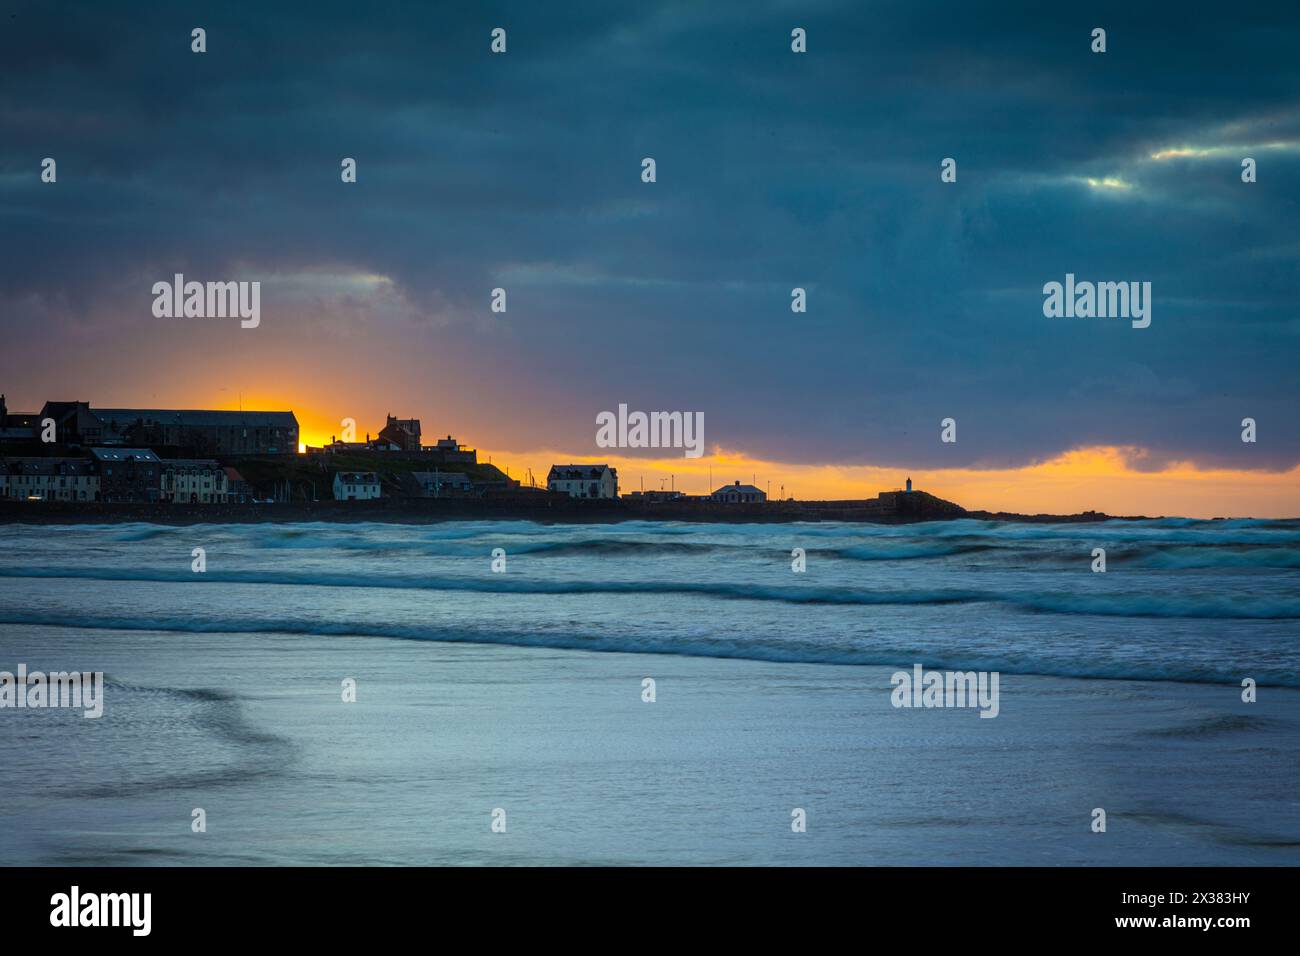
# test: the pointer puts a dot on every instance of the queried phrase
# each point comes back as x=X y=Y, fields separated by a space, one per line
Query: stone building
x=128 y=474
x=202 y=432
x=404 y=433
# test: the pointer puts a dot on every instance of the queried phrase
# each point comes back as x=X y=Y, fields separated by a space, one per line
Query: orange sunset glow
x=1097 y=478
x=1085 y=479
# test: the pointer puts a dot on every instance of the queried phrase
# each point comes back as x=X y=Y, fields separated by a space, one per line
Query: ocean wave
x=616 y=546
x=794 y=651
x=1167 y=604
x=477 y=545
x=145 y=533
x=1104 y=535
x=1170 y=604
x=1036 y=549
x=1204 y=558
x=1213 y=726
x=502 y=584
x=906 y=552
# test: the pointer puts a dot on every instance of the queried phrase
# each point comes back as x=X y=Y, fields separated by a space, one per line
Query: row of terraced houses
x=116 y=452
x=120 y=474
x=117 y=455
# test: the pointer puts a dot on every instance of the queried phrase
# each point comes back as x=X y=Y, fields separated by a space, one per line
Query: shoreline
x=552 y=511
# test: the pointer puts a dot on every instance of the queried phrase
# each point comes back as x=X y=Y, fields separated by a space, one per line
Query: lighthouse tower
x=909 y=484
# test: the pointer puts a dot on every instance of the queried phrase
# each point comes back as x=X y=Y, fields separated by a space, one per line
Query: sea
x=664 y=693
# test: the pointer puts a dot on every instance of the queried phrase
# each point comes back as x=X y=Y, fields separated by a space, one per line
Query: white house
x=355 y=485
x=194 y=481
x=584 y=481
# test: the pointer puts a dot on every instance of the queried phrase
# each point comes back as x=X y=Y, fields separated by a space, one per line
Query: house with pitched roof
x=739 y=494
x=583 y=481
x=355 y=485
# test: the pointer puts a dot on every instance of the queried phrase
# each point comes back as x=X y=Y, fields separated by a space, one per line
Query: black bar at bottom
x=332 y=905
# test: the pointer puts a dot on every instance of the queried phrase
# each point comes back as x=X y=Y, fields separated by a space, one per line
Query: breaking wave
x=787 y=652
x=1167 y=604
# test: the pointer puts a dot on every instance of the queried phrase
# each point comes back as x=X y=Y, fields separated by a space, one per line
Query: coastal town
x=76 y=452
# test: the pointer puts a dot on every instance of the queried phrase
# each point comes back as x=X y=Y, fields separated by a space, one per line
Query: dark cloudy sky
x=775 y=170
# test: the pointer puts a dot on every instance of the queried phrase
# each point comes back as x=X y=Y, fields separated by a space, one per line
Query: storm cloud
x=775 y=170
